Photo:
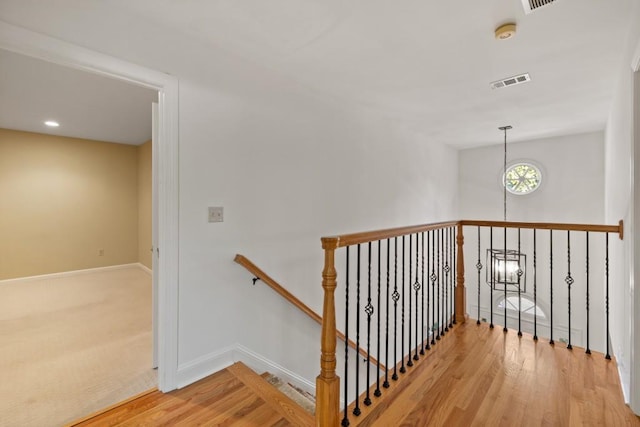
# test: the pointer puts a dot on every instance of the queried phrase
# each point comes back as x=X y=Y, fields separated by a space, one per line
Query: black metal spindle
x=504 y=236
x=410 y=335
x=492 y=269
x=429 y=293
x=396 y=297
x=569 y=281
x=535 y=288
x=386 y=384
x=454 y=279
x=445 y=285
x=479 y=268
x=356 y=409
x=416 y=287
x=377 y=393
x=369 y=310
x=606 y=263
x=438 y=315
x=345 y=420
x=551 y=287
x=588 y=350
x=403 y=369
x=433 y=287
x=519 y=290
x=424 y=285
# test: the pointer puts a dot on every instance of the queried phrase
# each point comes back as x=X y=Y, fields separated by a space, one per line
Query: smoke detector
x=506 y=31
x=511 y=81
x=531 y=5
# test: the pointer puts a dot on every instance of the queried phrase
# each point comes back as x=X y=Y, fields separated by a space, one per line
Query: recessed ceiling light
x=52 y=123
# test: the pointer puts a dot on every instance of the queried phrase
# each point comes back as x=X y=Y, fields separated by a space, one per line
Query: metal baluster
x=608 y=356
x=504 y=236
x=396 y=297
x=588 y=351
x=493 y=276
x=438 y=315
x=535 y=288
x=433 y=287
x=424 y=285
x=410 y=336
x=402 y=367
x=519 y=291
x=356 y=410
x=447 y=269
x=479 y=268
x=569 y=281
x=551 y=287
x=377 y=393
x=345 y=420
x=416 y=287
x=369 y=310
x=452 y=257
x=386 y=384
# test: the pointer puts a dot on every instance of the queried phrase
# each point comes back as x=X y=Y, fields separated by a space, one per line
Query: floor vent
x=531 y=5
x=511 y=81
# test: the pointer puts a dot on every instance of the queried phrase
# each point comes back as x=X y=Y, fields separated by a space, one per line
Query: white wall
x=619 y=203
x=288 y=167
x=572 y=188
x=572 y=191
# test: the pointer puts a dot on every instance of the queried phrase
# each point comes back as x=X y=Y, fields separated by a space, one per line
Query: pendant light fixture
x=508 y=266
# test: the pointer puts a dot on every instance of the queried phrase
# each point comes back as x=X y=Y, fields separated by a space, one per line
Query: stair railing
x=422 y=267
x=279 y=289
x=549 y=280
x=413 y=280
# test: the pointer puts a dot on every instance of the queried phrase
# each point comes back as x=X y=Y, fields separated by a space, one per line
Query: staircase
x=234 y=396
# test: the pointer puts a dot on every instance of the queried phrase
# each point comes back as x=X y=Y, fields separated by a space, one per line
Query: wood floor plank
x=477 y=376
x=474 y=376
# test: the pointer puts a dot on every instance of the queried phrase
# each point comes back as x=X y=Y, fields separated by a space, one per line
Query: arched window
x=522 y=178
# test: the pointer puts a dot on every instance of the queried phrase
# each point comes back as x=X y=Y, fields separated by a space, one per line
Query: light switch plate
x=216 y=214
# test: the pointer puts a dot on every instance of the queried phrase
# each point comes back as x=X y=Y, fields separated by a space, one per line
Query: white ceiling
x=425 y=65
x=428 y=64
x=86 y=105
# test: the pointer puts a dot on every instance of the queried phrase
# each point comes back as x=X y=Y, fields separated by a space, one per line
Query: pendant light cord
x=504 y=176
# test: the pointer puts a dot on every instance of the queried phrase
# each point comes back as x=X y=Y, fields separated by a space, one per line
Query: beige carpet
x=71 y=346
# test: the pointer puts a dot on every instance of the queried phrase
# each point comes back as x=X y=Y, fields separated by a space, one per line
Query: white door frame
x=36 y=45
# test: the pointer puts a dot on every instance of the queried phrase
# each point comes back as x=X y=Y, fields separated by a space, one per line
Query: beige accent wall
x=62 y=201
x=144 y=204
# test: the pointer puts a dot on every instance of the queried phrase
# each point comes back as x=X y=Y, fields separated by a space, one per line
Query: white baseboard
x=72 y=273
x=214 y=362
x=262 y=364
x=204 y=366
x=145 y=268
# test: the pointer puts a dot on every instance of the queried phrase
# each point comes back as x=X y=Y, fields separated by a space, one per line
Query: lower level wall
x=65 y=204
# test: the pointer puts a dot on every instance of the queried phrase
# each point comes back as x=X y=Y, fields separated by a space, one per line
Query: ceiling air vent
x=511 y=81
x=531 y=5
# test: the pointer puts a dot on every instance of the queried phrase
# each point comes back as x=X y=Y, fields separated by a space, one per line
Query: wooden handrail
x=619 y=229
x=246 y=263
x=372 y=236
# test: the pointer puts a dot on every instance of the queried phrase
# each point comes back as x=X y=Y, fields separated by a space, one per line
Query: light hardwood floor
x=474 y=376
x=477 y=376
x=233 y=396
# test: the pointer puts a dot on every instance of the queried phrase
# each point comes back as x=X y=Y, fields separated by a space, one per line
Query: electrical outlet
x=216 y=213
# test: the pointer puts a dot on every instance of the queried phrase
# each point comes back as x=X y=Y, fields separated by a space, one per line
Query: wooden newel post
x=328 y=383
x=461 y=304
